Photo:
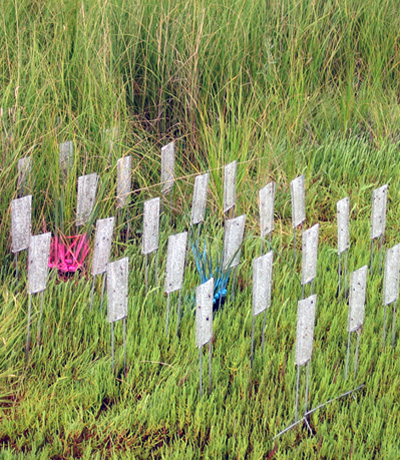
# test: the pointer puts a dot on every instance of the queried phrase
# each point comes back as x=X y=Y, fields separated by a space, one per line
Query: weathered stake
x=204 y=318
x=117 y=297
x=66 y=156
x=199 y=199
x=124 y=185
x=391 y=284
x=262 y=287
x=304 y=342
x=310 y=255
x=24 y=171
x=21 y=211
x=151 y=224
x=229 y=187
x=87 y=188
x=378 y=219
x=38 y=258
x=101 y=252
x=343 y=235
x=167 y=167
x=358 y=282
x=266 y=207
x=298 y=206
x=233 y=238
x=175 y=269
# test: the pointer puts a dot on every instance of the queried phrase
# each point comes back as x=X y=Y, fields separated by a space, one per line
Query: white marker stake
x=378 y=219
x=117 y=298
x=343 y=233
x=266 y=205
x=358 y=283
x=38 y=262
x=200 y=198
x=38 y=268
x=391 y=285
x=262 y=287
x=175 y=269
x=87 y=188
x=151 y=224
x=167 y=167
x=101 y=252
x=124 y=181
x=233 y=238
x=21 y=212
x=66 y=156
x=110 y=136
x=204 y=319
x=310 y=254
x=304 y=342
x=24 y=171
x=298 y=206
x=230 y=187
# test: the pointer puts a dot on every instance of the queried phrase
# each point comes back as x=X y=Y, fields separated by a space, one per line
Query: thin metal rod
x=91 y=297
x=312 y=287
x=252 y=342
x=40 y=318
x=347 y=356
x=339 y=274
x=381 y=255
x=112 y=347
x=308 y=426
x=146 y=272
x=302 y=290
x=311 y=411
x=357 y=349
x=234 y=284
x=127 y=227
x=263 y=330
x=170 y=207
x=199 y=227
x=16 y=268
x=28 y=331
x=297 y=394
x=270 y=241
x=394 y=324
x=156 y=268
x=178 y=316
x=261 y=246
x=372 y=255
x=102 y=291
x=209 y=365
x=345 y=273
x=384 y=328
x=124 y=339
x=201 y=370
x=167 y=321
x=307 y=386
x=294 y=245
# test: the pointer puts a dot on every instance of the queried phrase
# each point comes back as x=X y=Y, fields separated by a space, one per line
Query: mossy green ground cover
x=285 y=88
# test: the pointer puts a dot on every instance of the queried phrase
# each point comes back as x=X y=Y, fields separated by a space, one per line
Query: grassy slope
x=284 y=87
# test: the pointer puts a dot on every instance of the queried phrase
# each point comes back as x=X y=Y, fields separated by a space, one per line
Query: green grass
x=284 y=88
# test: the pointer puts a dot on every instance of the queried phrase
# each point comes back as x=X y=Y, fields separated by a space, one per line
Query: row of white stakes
x=176 y=256
x=87 y=187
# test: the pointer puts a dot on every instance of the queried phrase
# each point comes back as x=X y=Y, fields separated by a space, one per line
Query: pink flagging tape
x=68 y=253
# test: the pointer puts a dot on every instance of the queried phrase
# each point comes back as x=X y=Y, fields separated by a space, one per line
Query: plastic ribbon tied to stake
x=68 y=253
x=208 y=270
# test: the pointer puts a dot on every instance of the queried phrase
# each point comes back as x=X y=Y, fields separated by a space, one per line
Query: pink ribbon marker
x=68 y=253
